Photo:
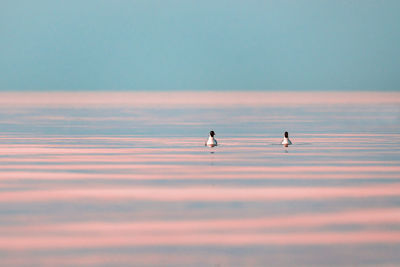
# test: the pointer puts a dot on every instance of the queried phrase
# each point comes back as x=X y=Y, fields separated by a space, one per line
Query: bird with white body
x=211 y=142
x=286 y=141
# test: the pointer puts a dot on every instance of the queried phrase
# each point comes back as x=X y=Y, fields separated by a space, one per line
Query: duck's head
x=212 y=133
x=286 y=135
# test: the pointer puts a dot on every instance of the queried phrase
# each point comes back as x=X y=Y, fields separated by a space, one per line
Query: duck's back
x=286 y=141
x=211 y=141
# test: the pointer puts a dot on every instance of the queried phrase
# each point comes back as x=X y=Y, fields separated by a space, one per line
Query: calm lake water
x=124 y=179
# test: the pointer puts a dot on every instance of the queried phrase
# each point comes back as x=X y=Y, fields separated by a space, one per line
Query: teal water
x=135 y=186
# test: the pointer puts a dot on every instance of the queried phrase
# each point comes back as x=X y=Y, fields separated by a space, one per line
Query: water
x=108 y=179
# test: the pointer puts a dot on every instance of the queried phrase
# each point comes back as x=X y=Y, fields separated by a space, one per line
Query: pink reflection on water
x=222 y=169
x=229 y=239
x=365 y=217
x=37 y=172
x=189 y=99
x=201 y=193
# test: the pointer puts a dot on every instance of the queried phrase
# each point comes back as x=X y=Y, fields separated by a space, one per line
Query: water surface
x=105 y=179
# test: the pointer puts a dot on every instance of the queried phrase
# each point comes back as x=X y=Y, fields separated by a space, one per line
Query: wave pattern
x=135 y=186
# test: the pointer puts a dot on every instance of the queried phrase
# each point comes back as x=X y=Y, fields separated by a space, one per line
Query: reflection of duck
x=286 y=140
x=211 y=142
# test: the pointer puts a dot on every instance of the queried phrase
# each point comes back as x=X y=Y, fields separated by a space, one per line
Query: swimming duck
x=211 y=142
x=286 y=140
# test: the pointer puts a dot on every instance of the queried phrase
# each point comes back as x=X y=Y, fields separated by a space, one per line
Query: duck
x=211 y=142
x=286 y=141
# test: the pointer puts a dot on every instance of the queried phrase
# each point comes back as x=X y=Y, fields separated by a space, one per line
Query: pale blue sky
x=199 y=45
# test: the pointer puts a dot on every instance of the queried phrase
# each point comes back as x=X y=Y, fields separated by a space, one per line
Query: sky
x=163 y=45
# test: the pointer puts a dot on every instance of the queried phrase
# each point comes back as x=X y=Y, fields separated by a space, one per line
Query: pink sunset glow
x=366 y=217
x=187 y=99
x=365 y=237
x=124 y=178
x=203 y=193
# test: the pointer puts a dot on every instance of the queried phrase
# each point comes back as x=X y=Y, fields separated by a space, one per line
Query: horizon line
x=194 y=98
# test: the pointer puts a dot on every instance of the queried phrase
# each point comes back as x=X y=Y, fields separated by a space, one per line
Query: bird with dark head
x=211 y=142
x=286 y=141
